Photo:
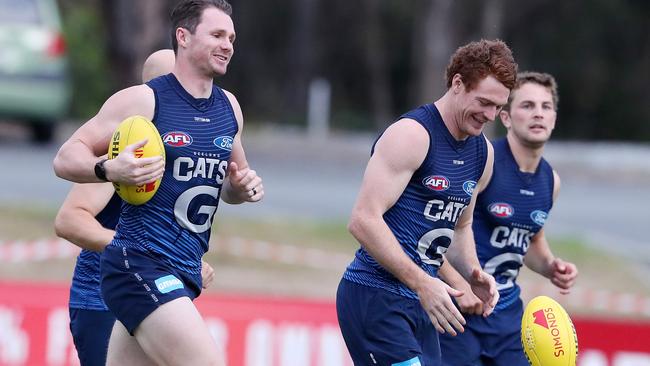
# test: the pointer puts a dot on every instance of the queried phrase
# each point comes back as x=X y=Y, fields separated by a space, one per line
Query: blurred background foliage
x=383 y=57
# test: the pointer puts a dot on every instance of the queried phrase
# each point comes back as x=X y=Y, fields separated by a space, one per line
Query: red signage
x=259 y=331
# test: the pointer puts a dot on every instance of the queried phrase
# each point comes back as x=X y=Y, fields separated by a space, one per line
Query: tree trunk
x=434 y=42
x=375 y=53
x=492 y=26
x=300 y=56
x=135 y=29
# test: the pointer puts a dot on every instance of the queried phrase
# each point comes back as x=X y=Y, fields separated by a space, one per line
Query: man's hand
x=435 y=299
x=207 y=274
x=129 y=170
x=563 y=275
x=246 y=184
x=485 y=288
x=470 y=303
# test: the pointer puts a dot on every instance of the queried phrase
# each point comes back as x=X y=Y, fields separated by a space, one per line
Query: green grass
x=572 y=247
x=332 y=235
x=598 y=270
x=26 y=223
x=38 y=222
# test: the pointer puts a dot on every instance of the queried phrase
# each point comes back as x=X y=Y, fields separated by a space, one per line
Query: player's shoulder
x=488 y=144
x=409 y=129
x=556 y=185
x=405 y=141
x=234 y=103
x=134 y=100
x=228 y=93
x=133 y=94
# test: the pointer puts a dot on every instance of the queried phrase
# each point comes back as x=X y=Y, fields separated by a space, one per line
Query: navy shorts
x=382 y=328
x=495 y=340
x=91 y=330
x=135 y=282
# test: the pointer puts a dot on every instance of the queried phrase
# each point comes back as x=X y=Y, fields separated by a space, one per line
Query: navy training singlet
x=85 y=292
x=198 y=136
x=509 y=212
x=425 y=215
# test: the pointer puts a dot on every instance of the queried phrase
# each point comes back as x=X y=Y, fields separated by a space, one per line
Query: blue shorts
x=91 y=330
x=382 y=328
x=136 y=282
x=495 y=340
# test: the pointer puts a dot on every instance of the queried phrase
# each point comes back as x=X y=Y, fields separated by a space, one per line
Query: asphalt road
x=604 y=196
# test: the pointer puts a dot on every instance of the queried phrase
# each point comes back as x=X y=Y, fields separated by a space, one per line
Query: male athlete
x=508 y=229
x=151 y=270
x=416 y=195
x=87 y=218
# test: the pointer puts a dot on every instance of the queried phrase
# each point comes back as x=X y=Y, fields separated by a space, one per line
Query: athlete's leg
x=91 y=330
x=175 y=334
x=463 y=349
x=153 y=303
x=123 y=349
x=504 y=347
x=378 y=326
x=511 y=355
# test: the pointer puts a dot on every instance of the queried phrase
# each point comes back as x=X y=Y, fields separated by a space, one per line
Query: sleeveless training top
x=85 y=292
x=425 y=215
x=508 y=213
x=198 y=136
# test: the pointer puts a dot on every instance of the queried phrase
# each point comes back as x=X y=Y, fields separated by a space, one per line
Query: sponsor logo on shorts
x=177 y=139
x=224 y=142
x=201 y=119
x=469 y=186
x=168 y=284
x=415 y=361
x=539 y=217
x=501 y=210
x=436 y=182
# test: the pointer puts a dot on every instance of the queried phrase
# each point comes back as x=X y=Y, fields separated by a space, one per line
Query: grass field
x=242 y=274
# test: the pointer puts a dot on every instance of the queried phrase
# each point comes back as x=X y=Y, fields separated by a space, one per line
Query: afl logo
x=501 y=210
x=539 y=217
x=177 y=139
x=468 y=187
x=436 y=182
x=224 y=142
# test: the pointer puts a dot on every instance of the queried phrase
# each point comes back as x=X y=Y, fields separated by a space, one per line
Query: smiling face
x=478 y=106
x=211 y=45
x=532 y=115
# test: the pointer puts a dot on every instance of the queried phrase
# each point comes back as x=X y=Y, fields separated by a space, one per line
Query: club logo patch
x=469 y=186
x=501 y=210
x=177 y=139
x=539 y=217
x=436 y=182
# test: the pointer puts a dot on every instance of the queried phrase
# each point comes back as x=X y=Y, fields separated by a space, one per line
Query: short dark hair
x=477 y=60
x=539 y=78
x=187 y=14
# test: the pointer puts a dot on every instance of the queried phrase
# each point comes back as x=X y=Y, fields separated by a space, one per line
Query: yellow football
x=131 y=130
x=547 y=334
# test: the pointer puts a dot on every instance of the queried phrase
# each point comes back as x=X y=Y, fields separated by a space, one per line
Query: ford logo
x=224 y=142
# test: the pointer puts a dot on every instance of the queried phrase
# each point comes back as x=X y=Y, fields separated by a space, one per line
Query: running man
x=87 y=218
x=508 y=228
x=151 y=269
x=416 y=199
